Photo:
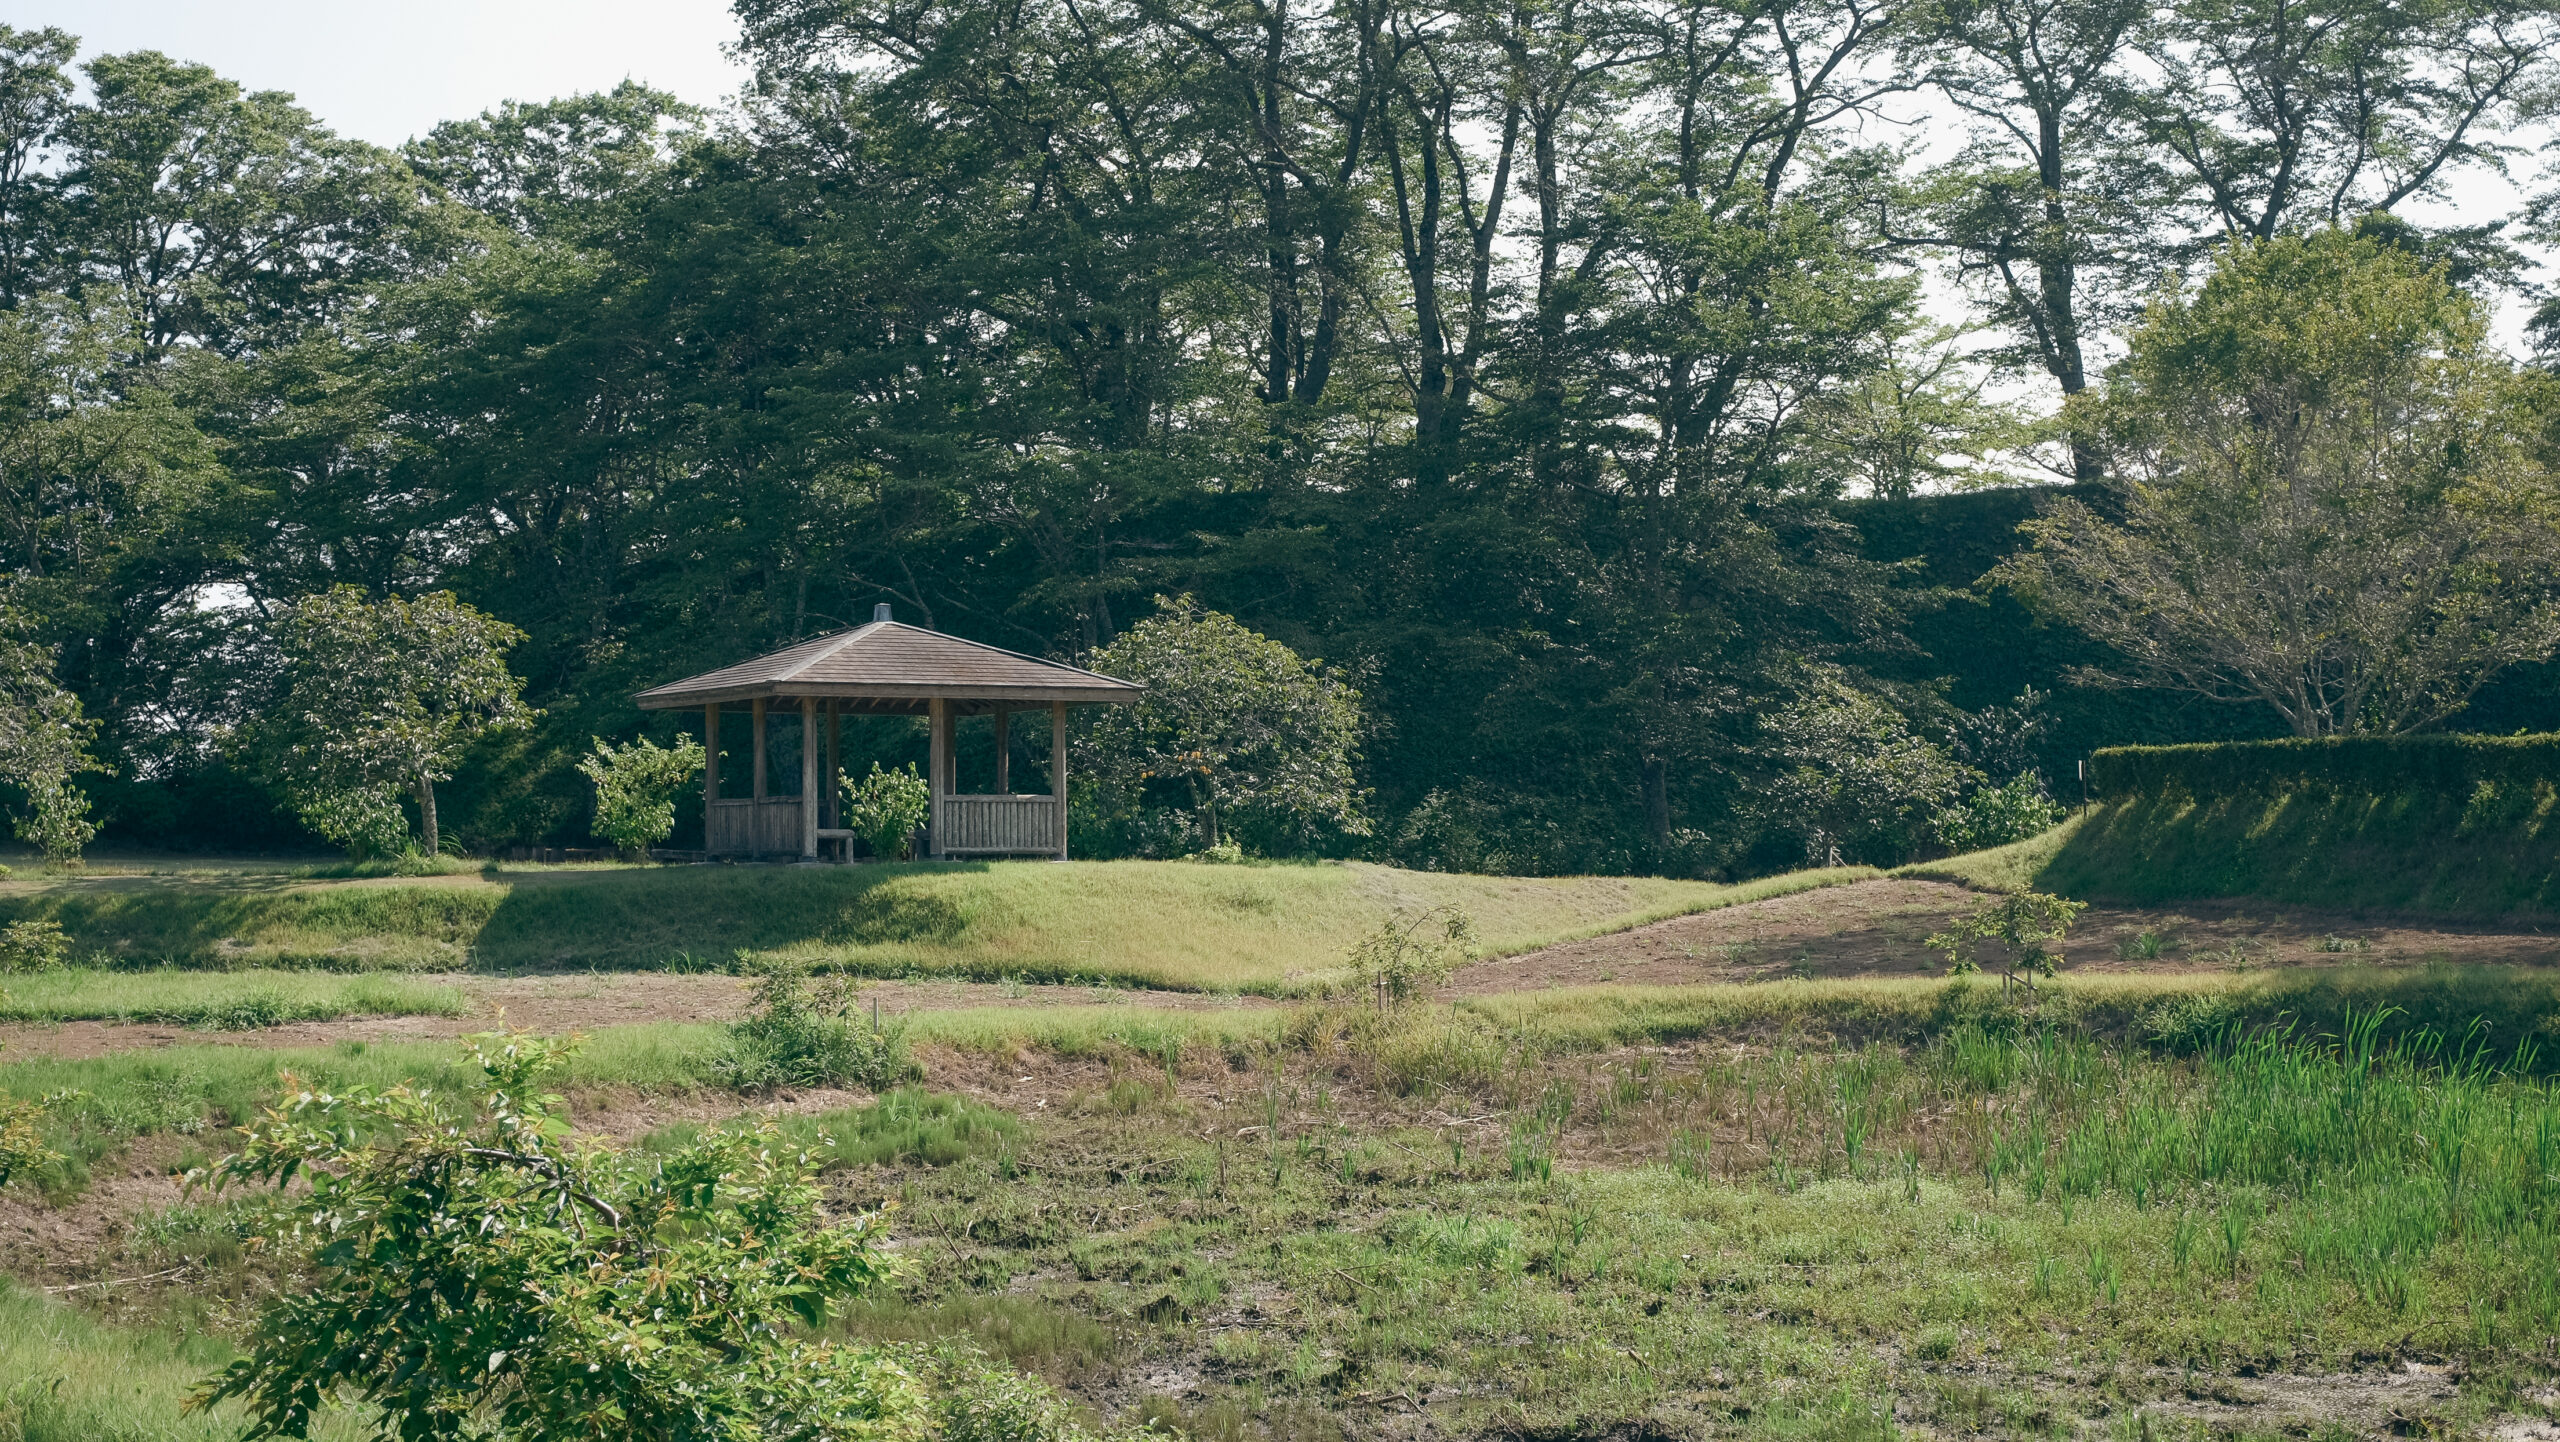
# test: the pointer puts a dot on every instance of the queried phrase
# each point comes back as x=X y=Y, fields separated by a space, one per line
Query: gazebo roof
x=888 y=667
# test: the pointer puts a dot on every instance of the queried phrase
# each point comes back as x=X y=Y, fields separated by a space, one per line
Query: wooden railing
x=770 y=827
x=997 y=826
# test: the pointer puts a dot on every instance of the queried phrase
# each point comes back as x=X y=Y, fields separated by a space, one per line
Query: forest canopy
x=1521 y=361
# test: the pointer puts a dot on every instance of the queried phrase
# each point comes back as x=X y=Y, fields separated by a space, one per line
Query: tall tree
x=2330 y=507
x=2284 y=114
x=2044 y=210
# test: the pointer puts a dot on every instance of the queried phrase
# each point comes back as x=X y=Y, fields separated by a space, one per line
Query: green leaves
x=2022 y=922
x=1236 y=724
x=381 y=695
x=885 y=808
x=2334 y=505
x=473 y=1272
x=635 y=786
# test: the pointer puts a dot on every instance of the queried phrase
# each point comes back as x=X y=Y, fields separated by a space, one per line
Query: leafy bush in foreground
x=474 y=1273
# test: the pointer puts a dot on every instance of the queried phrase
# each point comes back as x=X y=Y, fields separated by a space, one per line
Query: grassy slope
x=1270 y=928
x=2495 y=858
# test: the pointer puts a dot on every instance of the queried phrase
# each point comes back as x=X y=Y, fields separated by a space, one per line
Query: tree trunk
x=427 y=812
x=1657 y=802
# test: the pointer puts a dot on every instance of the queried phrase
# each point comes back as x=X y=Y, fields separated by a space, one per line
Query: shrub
x=22 y=1148
x=635 y=789
x=1407 y=954
x=800 y=1035
x=885 y=808
x=2449 y=766
x=29 y=946
x=1997 y=815
x=469 y=1271
x=2022 y=922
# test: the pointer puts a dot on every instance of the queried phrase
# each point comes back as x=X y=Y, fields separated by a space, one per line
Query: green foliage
x=2332 y=503
x=796 y=1034
x=22 y=1141
x=32 y=946
x=884 y=808
x=363 y=819
x=2014 y=810
x=538 y=1289
x=383 y=695
x=2022 y=922
x=1408 y=955
x=1858 y=785
x=635 y=786
x=2452 y=767
x=1235 y=724
x=44 y=741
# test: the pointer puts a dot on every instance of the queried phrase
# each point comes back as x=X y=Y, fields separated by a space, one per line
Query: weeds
x=797 y=1034
x=2142 y=946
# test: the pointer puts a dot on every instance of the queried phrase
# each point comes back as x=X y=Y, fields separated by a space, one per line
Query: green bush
x=466 y=1268
x=22 y=1148
x=2453 y=766
x=885 y=808
x=634 y=786
x=803 y=1035
x=1997 y=815
x=32 y=946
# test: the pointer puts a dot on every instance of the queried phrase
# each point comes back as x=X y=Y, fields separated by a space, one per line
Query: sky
x=387 y=70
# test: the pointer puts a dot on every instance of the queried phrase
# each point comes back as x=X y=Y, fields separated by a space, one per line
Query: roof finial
x=880 y=613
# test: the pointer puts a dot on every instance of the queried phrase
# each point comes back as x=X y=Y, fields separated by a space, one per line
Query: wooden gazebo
x=888 y=669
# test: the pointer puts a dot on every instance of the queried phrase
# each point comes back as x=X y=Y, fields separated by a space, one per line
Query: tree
x=2282 y=114
x=382 y=695
x=2021 y=922
x=1242 y=726
x=1854 y=781
x=471 y=1271
x=635 y=788
x=44 y=742
x=1919 y=419
x=2046 y=199
x=2327 y=501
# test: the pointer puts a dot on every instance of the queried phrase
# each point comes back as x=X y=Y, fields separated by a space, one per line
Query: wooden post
x=1004 y=752
x=710 y=771
x=835 y=767
x=808 y=778
x=1058 y=770
x=759 y=730
x=939 y=764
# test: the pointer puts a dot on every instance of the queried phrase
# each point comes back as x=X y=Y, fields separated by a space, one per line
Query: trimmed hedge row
x=2444 y=765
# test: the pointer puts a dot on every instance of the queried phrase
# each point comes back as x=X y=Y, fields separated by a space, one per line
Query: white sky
x=386 y=70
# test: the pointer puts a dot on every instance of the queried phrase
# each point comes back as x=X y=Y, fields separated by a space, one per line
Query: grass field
x=1835 y=1210
x=222 y=1001
x=1276 y=928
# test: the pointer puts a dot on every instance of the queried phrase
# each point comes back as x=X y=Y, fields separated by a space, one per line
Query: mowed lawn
x=1261 y=928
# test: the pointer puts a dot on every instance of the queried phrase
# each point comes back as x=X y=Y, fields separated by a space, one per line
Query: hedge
x=2451 y=766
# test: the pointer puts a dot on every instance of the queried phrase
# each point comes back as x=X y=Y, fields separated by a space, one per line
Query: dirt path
x=1877 y=928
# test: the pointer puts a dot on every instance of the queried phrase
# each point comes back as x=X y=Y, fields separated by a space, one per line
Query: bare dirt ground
x=1878 y=928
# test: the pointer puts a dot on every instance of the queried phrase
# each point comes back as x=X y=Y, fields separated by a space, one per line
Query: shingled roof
x=893 y=668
